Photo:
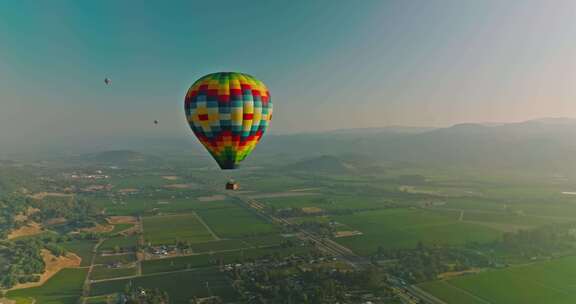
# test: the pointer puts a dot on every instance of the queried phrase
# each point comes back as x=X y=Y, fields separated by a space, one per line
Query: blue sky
x=329 y=64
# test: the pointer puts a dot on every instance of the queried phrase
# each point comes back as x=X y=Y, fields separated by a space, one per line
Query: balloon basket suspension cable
x=231 y=184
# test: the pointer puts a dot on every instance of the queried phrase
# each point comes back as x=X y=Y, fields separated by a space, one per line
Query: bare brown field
x=119 y=219
x=56 y=221
x=20 y=217
x=304 y=189
x=29 y=229
x=451 y=274
x=41 y=195
x=171 y=177
x=98 y=228
x=212 y=198
x=179 y=186
x=127 y=190
x=282 y=194
x=340 y=234
x=93 y=188
x=312 y=210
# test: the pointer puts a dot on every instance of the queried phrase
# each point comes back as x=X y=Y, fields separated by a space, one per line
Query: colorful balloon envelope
x=228 y=112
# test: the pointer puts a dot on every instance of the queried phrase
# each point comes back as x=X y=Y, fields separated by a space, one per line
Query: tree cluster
x=424 y=263
x=20 y=262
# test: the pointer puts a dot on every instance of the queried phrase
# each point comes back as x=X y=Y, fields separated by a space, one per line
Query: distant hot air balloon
x=107 y=81
x=228 y=112
x=155 y=122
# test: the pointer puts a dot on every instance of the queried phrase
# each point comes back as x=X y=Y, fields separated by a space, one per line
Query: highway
x=407 y=294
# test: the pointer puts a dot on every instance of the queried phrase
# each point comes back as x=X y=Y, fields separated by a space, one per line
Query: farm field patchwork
x=119 y=242
x=266 y=240
x=402 y=228
x=471 y=203
x=500 y=220
x=103 y=272
x=219 y=245
x=112 y=259
x=266 y=184
x=160 y=230
x=562 y=210
x=543 y=282
x=327 y=202
x=181 y=286
x=236 y=222
x=513 y=219
x=136 y=205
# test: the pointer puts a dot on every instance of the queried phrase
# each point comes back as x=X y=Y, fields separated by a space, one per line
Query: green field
x=327 y=202
x=138 y=181
x=120 y=242
x=63 y=288
x=511 y=219
x=138 y=204
x=219 y=245
x=450 y=294
x=562 y=210
x=111 y=259
x=263 y=183
x=185 y=262
x=121 y=227
x=103 y=272
x=82 y=248
x=100 y=300
x=403 y=228
x=236 y=222
x=266 y=240
x=168 y=229
x=181 y=286
x=472 y=203
x=551 y=282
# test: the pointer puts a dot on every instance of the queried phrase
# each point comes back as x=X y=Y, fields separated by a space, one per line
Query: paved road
x=408 y=294
x=86 y=287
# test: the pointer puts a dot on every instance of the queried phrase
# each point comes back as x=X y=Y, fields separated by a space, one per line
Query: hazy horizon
x=328 y=65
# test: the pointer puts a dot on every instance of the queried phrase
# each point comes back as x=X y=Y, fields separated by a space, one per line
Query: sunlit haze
x=287 y=151
x=328 y=64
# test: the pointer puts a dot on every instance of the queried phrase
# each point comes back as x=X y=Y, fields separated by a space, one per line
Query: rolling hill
x=547 y=143
x=325 y=164
x=118 y=157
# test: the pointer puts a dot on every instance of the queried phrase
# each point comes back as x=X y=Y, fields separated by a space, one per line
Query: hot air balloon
x=228 y=112
x=155 y=122
x=107 y=81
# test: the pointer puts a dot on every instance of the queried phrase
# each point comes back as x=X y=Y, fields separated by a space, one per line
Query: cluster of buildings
x=97 y=175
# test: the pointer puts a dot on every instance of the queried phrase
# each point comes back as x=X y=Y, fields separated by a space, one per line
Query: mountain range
x=549 y=142
x=542 y=143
